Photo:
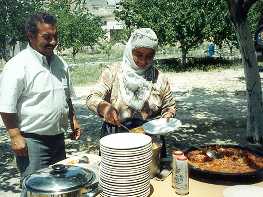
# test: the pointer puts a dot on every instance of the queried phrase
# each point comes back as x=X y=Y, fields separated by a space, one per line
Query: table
x=196 y=188
x=164 y=188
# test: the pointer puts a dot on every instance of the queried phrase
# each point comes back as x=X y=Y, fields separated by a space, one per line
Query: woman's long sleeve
x=101 y=91
x=168 y=100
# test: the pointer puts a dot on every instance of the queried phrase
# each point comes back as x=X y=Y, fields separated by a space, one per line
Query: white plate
x=131 y=178
x=147 y=146
x=129 y=164
x=114 y=156
x=125 y=186
x=120 y=171
x=145 y=193
x=125 y=140
x=131 y=152
x=138 y=158
x=118 y=185
x=243 y=191
x=161 y=126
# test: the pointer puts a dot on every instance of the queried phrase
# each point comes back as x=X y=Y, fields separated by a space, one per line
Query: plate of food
x=161 y=126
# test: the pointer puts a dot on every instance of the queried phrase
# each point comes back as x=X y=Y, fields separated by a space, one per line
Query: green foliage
x=12 y=19
x=219 y=28
x=106 y=47
x=13 y=15
x=187 y=22
x=77 y=27
x=120 y=35
x=254 y=15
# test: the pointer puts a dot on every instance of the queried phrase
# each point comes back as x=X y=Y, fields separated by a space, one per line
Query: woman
x=134 y=91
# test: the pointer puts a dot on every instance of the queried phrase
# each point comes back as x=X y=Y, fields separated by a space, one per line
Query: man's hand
x=74 y=124
x=76 y=130
x=109 y=113
x=18 y=142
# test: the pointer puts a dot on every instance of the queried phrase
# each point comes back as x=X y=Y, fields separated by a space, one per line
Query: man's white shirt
x=36 y=92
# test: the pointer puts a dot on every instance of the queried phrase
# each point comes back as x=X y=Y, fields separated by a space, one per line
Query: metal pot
x=155 y=163
x=61 y=181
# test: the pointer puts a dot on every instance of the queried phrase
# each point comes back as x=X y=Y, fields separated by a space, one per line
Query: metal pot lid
x=58 y=178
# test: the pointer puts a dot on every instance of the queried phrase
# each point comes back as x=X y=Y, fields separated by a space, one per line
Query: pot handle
x=94 y=192
x=58 y=169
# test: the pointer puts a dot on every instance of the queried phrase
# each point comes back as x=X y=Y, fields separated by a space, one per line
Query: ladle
x=210 y=153
x=213 y=154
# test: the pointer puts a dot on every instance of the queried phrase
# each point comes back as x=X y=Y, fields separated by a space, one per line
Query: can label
x=181 y=177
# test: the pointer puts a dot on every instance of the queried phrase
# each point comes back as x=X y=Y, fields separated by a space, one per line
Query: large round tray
x=198 y=173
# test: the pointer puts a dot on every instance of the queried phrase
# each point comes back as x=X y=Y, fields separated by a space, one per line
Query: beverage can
x=175 y=154
x=181 y=176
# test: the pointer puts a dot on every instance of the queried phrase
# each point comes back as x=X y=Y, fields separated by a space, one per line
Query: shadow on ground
x=207 y=117
x=8 y=173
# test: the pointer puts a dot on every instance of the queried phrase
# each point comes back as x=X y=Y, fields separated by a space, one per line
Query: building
x=104 y=9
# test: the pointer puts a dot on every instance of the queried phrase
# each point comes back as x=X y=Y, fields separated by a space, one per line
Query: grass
x=88 y=64
x=87 y=67
x=197 y=63
x=85 y=75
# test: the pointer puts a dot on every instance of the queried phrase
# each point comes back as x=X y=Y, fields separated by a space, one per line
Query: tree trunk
x=184 y=53
x=253 y=84
x=74 y=53
x=4 y=52
x=231 y=50
x=13 y=50
x=239 y=10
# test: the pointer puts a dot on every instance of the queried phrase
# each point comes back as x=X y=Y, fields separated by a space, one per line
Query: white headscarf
x=134 y=88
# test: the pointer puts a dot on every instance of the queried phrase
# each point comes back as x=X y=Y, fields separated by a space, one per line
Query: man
x=35 y=99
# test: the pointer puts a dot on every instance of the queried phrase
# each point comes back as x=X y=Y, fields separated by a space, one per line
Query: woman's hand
x=109 y=113
x=168 y=115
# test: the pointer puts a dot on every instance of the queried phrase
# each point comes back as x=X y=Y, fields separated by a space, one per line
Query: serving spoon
x=213 y=154
x=125 y=128
x=210 y=153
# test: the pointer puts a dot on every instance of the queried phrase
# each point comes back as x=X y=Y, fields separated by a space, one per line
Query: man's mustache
x=50 y=46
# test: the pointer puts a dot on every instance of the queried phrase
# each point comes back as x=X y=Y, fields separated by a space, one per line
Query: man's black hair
x=42 y=17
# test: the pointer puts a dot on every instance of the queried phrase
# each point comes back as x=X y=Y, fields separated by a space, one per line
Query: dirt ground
x=211 y=106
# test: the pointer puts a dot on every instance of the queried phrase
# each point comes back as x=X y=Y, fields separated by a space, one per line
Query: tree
x=254 y=15
x=239 y=11
x=77 y=27
x=173 y=21
x=12 y=19
x=219 y=28
x=106 y=47
x=187 y=22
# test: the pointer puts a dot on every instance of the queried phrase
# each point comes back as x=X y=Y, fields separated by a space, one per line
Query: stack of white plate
x=124 y=167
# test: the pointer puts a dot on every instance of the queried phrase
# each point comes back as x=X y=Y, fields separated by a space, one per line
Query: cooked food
x=72 y=161
x=254 y=160
x=137 y=130
x=233 y=160
x=156 y=145
x=198 y=156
